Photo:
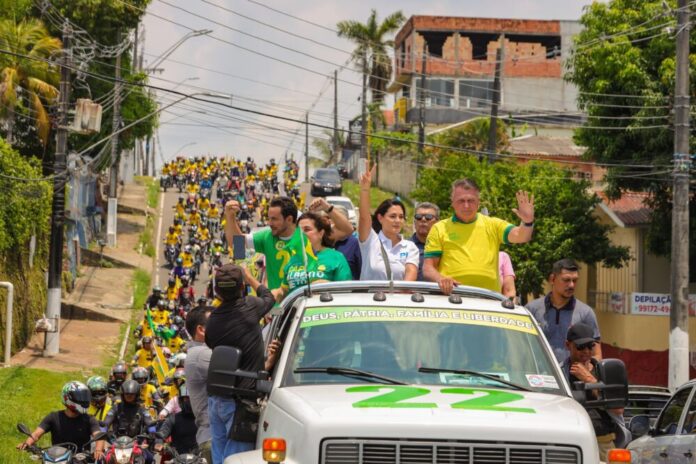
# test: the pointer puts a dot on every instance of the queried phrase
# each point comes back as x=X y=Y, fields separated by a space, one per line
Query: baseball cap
x=228 y=276
x=580 y=334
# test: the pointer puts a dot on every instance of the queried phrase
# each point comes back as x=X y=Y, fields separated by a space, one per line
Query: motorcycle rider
x=154 y=297
x=161 y=314
x=179 y=269
x=119 y=374
x=128 y=417
x=72 y=424
x=172 y=290
x=186 y=293
x=148 y=392
x=181 y=426
x=144 y=356
x=101 y=403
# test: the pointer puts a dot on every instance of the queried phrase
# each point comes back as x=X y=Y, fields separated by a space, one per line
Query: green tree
x=473 y=135
x=627 y=81
x=565 y=225
x=371 y=55
x=27 y=85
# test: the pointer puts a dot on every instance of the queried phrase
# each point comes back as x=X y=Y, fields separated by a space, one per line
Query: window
x=475 y=93
x=440 y=91
x=669 y=419
x=690 y=419
x=396 y=342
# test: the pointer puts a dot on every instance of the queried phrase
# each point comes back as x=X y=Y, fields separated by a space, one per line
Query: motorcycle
x=170 y=254
x=180 y=182
x=62 y=453
x=171 y=456
x=165 y=182
x=127 y=450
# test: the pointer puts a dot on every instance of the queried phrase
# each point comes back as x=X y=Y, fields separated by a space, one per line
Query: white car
x=379 y=372
x=348 y=205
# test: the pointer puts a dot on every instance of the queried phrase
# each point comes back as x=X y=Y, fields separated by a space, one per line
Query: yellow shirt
x=172 y=293
x=214 y=212
x=145 y=330
x=194 y=219
x=192 y=188
x=146 y=393
x=178 y=229
x=187 y=259
x=100 y=414
x=144 y=358
x=171 y=239
x=468 y=252
x=160 y=317
x=180 y=208
x=204 y=234
x=175 y=344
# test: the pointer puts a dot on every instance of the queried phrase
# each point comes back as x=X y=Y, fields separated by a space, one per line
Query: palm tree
x=372 y=48
x=27 y=82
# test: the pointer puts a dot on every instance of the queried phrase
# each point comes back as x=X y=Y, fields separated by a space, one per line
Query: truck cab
x=378 y=372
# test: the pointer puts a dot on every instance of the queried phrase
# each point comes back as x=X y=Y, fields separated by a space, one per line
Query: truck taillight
x=616 y=456
x=274 y=450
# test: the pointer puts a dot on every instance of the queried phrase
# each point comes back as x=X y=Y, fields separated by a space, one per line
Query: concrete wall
x=538 y=94
x=396 y=174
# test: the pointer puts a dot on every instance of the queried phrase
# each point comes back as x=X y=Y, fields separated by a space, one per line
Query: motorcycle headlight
x=123 y=455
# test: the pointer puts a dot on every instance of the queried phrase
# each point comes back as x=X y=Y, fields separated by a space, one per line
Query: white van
x=373 y=373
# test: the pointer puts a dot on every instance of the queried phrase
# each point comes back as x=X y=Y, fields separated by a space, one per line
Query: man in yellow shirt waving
x=464 y=249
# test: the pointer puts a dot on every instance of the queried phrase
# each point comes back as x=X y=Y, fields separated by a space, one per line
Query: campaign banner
x=656 y=304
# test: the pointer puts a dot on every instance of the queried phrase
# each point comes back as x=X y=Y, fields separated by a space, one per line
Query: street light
x=158 y=61
x=184 y=146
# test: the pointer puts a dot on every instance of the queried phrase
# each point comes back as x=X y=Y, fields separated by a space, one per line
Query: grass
x=146 y=238
x=351 y=189
x=141 y=287
x=153 y=189
x=27 y=395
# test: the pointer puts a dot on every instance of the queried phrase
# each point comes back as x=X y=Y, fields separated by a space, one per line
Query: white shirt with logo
x=399 y=255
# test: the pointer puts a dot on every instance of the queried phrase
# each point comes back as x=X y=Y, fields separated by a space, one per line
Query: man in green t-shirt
x=278 y=243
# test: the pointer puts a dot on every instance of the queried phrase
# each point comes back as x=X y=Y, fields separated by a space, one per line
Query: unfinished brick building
x=460 y=66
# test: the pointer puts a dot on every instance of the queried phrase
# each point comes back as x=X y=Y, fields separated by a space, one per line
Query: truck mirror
x=264 y=386
x=612 y=373
x=639 y=426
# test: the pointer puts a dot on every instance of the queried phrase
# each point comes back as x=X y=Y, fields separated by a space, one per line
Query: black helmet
x=130 y=387
x=171 y=229
x=146 y=340
x=178 y=321
x=119 y=371
x=140 y=375
x=172 y=281
x=76 y=397
x=162 y=304
x=156 y=289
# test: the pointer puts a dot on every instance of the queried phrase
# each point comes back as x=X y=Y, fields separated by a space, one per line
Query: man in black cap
x=235 y=323
x=581 y=366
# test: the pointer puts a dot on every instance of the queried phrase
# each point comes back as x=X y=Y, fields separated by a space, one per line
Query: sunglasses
x=427 y=217
x=585 y=346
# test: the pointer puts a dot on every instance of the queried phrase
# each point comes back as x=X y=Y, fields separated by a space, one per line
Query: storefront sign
x=657 y=304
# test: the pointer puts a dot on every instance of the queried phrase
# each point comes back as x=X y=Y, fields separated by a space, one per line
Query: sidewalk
x=101 y=302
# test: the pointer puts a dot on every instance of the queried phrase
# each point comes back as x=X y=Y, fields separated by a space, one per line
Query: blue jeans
x=221 y=414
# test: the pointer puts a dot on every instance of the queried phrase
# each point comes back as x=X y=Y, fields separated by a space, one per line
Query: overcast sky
x=215 y=62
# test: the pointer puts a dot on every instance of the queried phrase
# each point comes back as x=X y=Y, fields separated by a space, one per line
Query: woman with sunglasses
x=380 y=237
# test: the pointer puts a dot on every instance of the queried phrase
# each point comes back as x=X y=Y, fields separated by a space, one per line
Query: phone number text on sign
x=656 y=304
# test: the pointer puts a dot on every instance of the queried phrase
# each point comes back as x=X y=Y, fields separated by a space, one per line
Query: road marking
x=159 y=236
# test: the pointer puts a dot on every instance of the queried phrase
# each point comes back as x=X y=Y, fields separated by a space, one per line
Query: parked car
x=645 y=400
x=326 y=181
x=673 y=437
x=397 y=372
x=348 y=205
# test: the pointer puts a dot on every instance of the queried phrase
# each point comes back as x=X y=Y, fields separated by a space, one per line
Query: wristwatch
x=528 y=224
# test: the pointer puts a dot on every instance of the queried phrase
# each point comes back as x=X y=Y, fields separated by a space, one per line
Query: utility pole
x=306 y=148
x=493 y=127
x=335 y=115
x=60 y=175
x=679 y=313
x=421 y=100
x=113 y=171
x=363 y=118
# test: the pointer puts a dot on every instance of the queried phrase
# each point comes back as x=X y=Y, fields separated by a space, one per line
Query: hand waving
x=366 y=178
x=525 y=206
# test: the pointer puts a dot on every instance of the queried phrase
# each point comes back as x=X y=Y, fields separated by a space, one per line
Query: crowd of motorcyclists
x=143 y=408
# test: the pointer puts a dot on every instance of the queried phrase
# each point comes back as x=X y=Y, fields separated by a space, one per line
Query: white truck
x=379 y=373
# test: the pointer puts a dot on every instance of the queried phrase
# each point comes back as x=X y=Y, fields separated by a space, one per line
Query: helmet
x=172 y=306
x=174 y=328
x=178 y=321
x=179 y=376
x=217 y=242
x=119 y=371
x=146 y=340
x=156 y=289
x=179 y=261
x=76 y=397
x=164 y=392
x=187 y=248
x=181 y=199
x=140 y=375
x=130 y=387
x=97 y=387
x=162 y=304
x=171 y=229
x=166 y=352
x=180 y=360
x=172 y=281
x=185 y=280
x=201 y=300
